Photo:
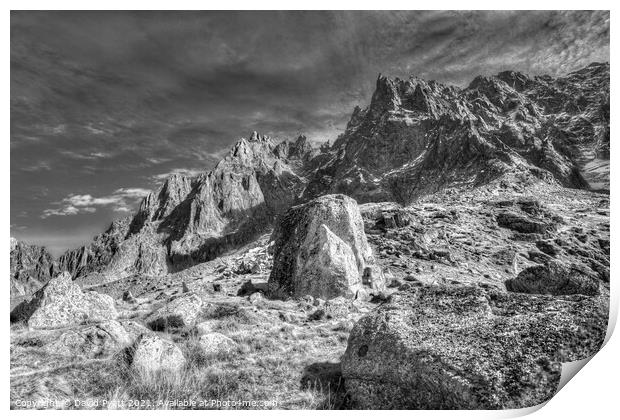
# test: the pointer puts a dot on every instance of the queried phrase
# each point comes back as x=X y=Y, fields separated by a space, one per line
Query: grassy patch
x=270 y=362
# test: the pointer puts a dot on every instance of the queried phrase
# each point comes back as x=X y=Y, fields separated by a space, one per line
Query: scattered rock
x=539 y=257
x=410 y=277
x=391 y=220
x=214 y=343
x=339 y=307
x=128 y=297
x=548 y=248
x=151 y=354
x=604 y=244
x=555 y=278
x=520 y=223
x=395 y=283
x=530 y=206
x=602 y=270
x=373 y=278
x=255 y=298
x=204 y=327
x=250 y=287
x=93 y=341
x=61 y=303
x=290 y=317
x=177 y=313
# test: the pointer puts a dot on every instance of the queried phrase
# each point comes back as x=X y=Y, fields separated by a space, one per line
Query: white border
x=592 y=394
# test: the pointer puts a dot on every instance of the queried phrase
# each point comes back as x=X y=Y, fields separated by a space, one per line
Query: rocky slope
x=31 y=267
x=452 y=326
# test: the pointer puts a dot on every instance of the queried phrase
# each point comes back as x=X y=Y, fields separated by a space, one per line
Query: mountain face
x=415 y=138
x=189 y=220
x=418 y=137
x=98 y=254
x=31 y=267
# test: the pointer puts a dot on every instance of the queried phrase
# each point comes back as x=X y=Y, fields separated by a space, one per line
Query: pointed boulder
x=61 y=303
x=320 y=250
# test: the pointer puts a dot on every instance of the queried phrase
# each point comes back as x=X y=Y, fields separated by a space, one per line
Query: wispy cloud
x=120 y=201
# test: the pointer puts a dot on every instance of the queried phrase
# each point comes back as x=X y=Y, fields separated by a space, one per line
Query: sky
x=105 y=104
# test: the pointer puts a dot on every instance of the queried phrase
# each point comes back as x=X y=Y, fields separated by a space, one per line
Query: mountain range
x=415 y=138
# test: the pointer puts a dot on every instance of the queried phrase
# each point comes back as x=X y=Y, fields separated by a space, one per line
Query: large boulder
x=467 y=348
x=151 y=354
x=320 y=249
x=61 y=303
x=555 y=278
x=180 y=312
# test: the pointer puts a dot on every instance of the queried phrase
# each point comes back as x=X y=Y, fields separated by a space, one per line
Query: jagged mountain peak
x=417 y=136
x=31 y=266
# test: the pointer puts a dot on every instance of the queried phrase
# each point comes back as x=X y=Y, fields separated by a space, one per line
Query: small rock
x=214 y=343
x=255 y=298
x=520 y=223
x=128 y=297
x=204 y=327
x=373 y=277
x=151 y=354
x=177 y=313
x=538 y=257
x=379 y=297
x=93 y=341
x=548 y=248
x=405 y=287
x=395 y=283
x=362 y=295
x=290 y=317
x=410 y=277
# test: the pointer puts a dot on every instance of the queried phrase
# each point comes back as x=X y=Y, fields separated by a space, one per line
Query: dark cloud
x=107 y=100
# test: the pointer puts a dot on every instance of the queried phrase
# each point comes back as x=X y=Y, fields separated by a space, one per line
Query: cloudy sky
x=105 y=104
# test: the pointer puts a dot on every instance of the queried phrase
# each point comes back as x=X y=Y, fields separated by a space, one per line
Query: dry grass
x=273 y=361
